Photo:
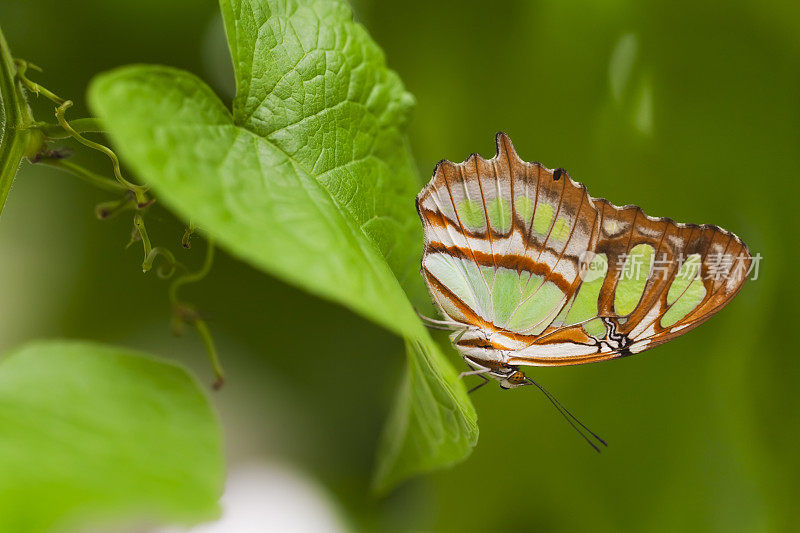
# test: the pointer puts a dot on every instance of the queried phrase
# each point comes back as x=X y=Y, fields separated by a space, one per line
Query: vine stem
x=22 y=137
x=152 y=252
x=101 y=182
x=205 y=335
x=139 y=190
x=22 y=66
x=193 y=277
x=17 y=137
x=81 y=125
x=183 y=312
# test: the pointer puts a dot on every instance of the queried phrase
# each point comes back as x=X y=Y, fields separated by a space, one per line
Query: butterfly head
x=513 y=380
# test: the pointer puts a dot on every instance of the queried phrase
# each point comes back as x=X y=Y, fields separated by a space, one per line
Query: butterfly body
x=529 y=269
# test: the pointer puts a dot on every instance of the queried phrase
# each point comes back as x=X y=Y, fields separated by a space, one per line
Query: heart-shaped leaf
x=308 y=178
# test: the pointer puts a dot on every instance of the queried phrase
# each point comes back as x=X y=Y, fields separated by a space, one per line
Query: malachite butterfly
x=529 y=269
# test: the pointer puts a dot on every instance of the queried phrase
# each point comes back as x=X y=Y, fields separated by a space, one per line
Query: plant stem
x=86 y=175
x=183 y=312
x=205 y=335
x=81 y=125
x=22 y=66
x=138 y=224
x=165 y=270
x=16 y=138
x=139 y=190
x=186 y=241
x=193 y=277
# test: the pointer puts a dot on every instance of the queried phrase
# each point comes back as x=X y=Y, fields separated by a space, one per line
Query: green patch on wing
x=560 y=230
x=543 y=218
x=505 y=294
x=471 y=214
x=562 y=315
x=466 y=280
x=585 y=305
x=450 y=273
x=595 y=328
x=686 y=292
x=499 y=214
x=635 y=273
x=688 y=273
x=537 y=301
x=517 y=301
x=524 y=207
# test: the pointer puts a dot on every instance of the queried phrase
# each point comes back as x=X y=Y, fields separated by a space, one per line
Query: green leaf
x=309 y=178
x=426 y=429
x=315 y=85
x=256 y=199
x=95 y=434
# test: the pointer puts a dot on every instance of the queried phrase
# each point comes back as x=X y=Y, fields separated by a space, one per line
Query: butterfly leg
x=438 y=324
x=479 y=385
x=480 y=373
x=475 y=372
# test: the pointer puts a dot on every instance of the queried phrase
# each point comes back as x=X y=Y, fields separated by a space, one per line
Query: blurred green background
x=691 y=110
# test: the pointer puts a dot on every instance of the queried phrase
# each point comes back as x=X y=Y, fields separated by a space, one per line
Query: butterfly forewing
x=504 y=240
x=555 y=276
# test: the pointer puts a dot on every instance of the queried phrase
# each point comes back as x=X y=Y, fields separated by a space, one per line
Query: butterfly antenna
x=569 y=417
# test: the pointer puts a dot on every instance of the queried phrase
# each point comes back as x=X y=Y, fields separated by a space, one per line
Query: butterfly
x=528 y=269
